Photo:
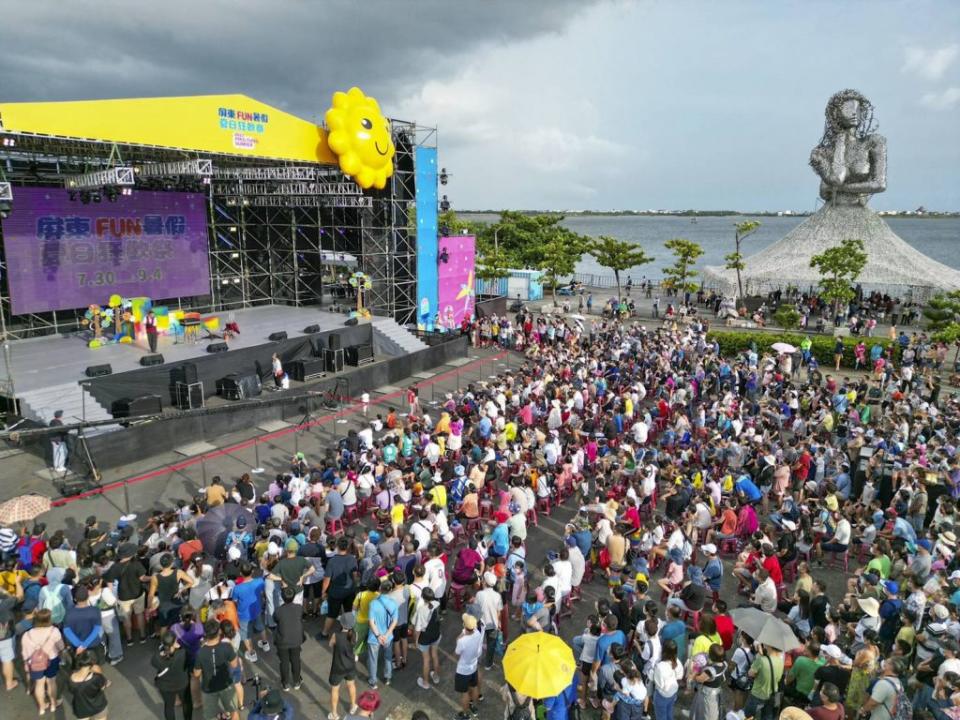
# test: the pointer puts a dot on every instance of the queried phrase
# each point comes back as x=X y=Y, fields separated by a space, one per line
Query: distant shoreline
x=698 y=213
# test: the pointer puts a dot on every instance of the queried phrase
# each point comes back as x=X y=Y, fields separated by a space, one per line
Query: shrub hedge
x=734 y=342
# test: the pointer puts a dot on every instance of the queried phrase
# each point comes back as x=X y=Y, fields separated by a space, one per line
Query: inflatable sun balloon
x=360 y=136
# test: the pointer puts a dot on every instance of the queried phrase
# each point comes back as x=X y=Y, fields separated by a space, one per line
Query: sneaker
x=435 y=677
x=488 y=668
x=116 y=661
x=354 y=709
x=285 y=688
x=373 y=684
x=473 y=711
x=264 y=645
x=480 y=697
x=462 y=716
x=332 y=716
x=250 y=656
x=143 y=641
x=422 y=684
x=297 y=686
x=387 y=681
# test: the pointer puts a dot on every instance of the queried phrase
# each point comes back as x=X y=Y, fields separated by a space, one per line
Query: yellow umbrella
x=539 y=665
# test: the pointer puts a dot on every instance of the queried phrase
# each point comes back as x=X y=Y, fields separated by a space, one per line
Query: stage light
x=111 y=193
x=96 y=196
x=233 y=228
x=234 y=256
x=444 y=204
x=444 y=177
x=126 y=191
x=9 y=142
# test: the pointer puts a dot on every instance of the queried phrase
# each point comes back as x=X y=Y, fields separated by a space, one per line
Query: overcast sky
x=561 y=104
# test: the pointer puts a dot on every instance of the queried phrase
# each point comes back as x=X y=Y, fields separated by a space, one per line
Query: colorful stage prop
x=456 y=281
x=361 y=282
x=360 y=136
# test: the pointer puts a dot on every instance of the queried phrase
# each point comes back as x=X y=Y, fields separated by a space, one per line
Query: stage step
x=391 y=338
x=40 y=405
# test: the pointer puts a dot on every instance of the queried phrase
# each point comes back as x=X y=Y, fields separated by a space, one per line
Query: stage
x=49 y=372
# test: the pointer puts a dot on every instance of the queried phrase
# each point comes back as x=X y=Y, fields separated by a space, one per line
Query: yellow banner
x=231 y=124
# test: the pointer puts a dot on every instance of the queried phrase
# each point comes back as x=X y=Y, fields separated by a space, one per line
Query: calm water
x=939 y=239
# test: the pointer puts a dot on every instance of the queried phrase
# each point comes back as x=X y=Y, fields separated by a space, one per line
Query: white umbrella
x=782 y=347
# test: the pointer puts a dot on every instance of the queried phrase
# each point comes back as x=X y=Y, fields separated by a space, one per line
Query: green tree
x=735 y=259
x=618 y=255
x=787 y=317
x=943 y=316
x=492 y=265
x=839 y=267
x=559 y=256
x=680 y=275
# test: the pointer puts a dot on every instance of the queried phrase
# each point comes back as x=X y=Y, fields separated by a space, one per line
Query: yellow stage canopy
x=218 y=124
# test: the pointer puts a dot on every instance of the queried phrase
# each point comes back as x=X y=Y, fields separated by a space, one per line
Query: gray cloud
x=290 y=54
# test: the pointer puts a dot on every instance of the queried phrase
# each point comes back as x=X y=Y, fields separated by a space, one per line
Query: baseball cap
x=891 y=587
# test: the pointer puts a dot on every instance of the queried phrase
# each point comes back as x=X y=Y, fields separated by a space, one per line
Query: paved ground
x=132 y=692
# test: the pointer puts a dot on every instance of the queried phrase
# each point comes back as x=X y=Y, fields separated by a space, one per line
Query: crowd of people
x=690 y=485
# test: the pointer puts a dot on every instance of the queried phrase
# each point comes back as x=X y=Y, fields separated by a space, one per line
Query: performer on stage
x=150 y=322
x=277 y=370
x=58 y=441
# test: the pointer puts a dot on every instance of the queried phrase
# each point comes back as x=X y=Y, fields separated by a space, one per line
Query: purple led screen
x=63 y=254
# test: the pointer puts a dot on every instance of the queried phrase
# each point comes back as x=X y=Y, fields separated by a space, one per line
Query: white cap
x=831 y=651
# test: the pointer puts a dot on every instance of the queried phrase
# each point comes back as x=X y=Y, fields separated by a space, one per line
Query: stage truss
x=279 y=232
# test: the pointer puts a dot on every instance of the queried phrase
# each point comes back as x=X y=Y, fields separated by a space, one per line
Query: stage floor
x=41 y=362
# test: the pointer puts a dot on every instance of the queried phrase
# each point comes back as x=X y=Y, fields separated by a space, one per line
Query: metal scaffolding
x=279 y=233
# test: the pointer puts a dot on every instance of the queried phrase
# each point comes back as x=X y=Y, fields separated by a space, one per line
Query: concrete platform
x=195 y=448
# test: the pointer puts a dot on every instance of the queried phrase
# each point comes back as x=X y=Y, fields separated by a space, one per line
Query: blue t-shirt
x=383 y=611
x=606 y=641
x=746 y=486
x=248 y=596
x=676 y=630
x=501 y=539
x=904 y=530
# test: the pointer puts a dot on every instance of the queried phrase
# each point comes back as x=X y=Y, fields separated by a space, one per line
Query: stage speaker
x=143 y=405
x=350 y=321
x=239 y=387
x=98 y=370
x=185 y=373
x=304 y=370
x=311 y=329
x=278 y=336
x=316 y=347
x=357 y=355
x=333 y=360
x=333 y=341
x=148 y=360
x=216 y=347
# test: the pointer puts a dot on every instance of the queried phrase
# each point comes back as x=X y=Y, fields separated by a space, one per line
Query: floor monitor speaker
x=216 y=347
x=278 y=336
x=98 y=370
x=311 y=329
x=148 y=360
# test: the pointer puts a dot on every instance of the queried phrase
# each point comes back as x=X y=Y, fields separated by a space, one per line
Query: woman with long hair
x=799 y=615
x=173 y=666
x=666 y=682
x=86 y=685
x=865 y=665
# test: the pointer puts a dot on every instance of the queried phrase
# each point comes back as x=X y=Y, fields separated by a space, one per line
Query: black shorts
x=400 y=632
x=463 y=683
x=312 y=591
x=335 y=680
x=586 y=668
x=337 y=606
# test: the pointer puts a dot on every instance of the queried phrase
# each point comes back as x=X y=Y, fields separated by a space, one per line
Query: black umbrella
x=213 y=527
